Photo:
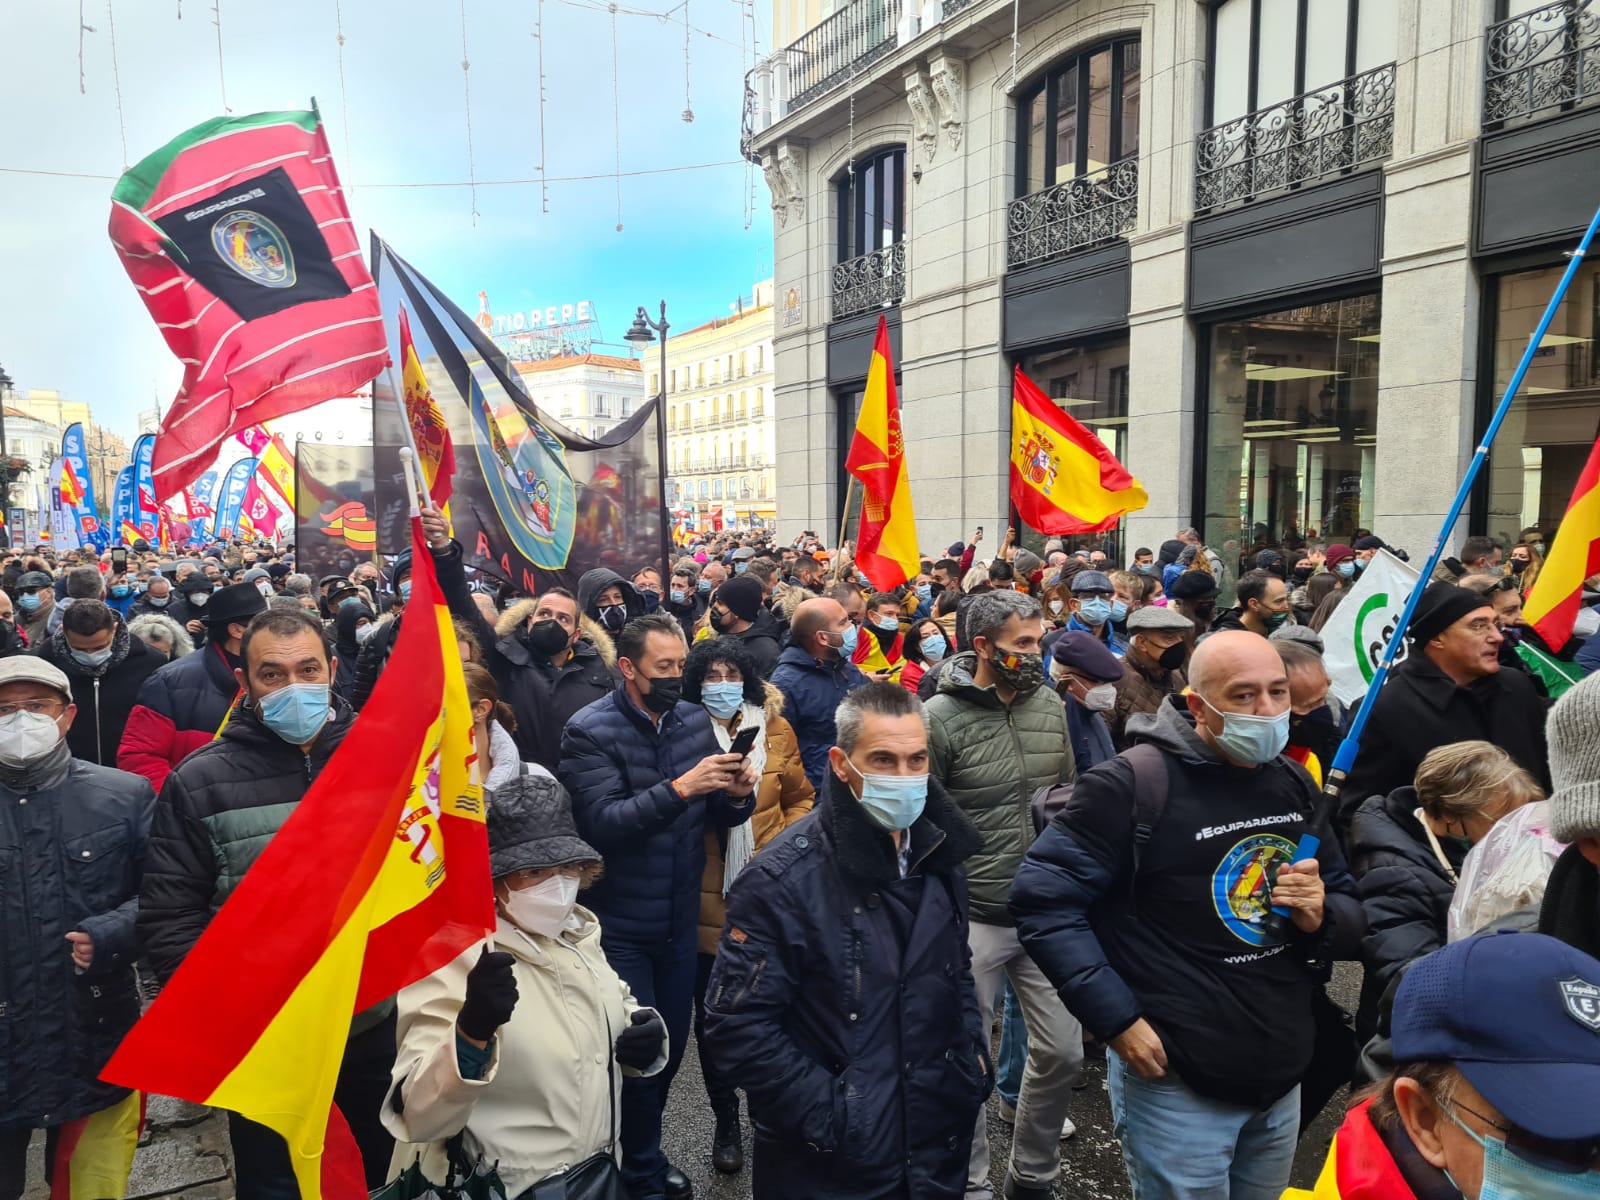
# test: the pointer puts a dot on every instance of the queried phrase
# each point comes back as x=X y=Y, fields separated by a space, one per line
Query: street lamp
x=641 y=333
x=6 y=473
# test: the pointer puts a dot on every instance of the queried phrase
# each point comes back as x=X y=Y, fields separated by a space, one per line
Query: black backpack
x=1150 y=790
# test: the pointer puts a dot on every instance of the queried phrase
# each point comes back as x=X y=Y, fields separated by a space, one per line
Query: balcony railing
x=1301 y=140
x=874 y=280
x=845 y=44
x=1075 y=215
x=1542 y=60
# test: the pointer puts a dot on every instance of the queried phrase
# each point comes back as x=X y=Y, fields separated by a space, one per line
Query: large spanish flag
x=886 y=545
x=379 y=877
x=1557 y=594
x=435 y=451
x=1063 y=479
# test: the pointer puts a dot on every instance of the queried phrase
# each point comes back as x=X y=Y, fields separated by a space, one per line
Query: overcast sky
x=69 y=317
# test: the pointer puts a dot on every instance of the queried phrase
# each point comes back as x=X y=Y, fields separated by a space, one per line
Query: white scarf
x=741 y=841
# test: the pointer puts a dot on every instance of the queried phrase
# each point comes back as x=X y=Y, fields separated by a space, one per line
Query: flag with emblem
x=276 y=465
x=387 y=860
x=429 y=431
x=1063 y=479
x=886 y=544
x=237 y=236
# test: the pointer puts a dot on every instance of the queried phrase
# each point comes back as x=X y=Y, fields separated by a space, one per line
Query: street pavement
x=186 y=1152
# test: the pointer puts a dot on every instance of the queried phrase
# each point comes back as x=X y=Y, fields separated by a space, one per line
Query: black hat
x=278 y=570
x=531 y=827
x=742 y=595
x=141 y=546
x=1193 y=585
x=33 y=579
x=1371 y=542
x=194 y=582
x=342 y=587
x=1078 y=651
x=1441 y=606
x=402 y=566
x=236 y=603
x=329 y=579
x=1170 y=549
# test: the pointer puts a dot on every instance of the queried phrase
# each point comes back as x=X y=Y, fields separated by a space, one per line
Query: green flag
x=1557 y=676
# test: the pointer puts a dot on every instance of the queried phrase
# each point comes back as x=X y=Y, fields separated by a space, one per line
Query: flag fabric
x=1553 y=602
x=238 y=238
x=277 y=464
x=86 y=513
x=886 y=544
x=71 y=489
x=431 y=435
x=1558 y=677
x=123 y=511
x=259 y=507
x=231 y=500
x=144 y=492
x=94 y=1154
x=388 y=867
x=1063 y=479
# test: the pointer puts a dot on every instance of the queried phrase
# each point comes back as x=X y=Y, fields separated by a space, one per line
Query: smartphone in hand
x=744 y=741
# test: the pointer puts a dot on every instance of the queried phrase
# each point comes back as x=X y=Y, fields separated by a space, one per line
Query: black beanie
x=742 y=596
x=1441 y=606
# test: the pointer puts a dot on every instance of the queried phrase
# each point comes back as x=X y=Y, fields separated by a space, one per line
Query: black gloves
x=491 y=995
x=639 y=1044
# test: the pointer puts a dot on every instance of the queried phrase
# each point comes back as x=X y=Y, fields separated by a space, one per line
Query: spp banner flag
x=231 y=503
x=238 y=238
x=886 y=546
x=123 y=509
x=91 y=531
x=1355 y=636
x=146 y=511
x=1063 y=479
x=201 y=497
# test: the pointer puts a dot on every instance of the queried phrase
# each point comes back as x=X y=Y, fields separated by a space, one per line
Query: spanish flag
x=130 y=533
x=378 y=878
x=435 y=451
x=1553 y=603
x=1063 y=479
x=886 y=545
x=71 y=489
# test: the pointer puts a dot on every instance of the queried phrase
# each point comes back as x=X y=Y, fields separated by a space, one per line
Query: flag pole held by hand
x=408 y=463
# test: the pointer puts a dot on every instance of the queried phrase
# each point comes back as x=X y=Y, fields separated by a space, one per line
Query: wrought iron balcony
x=1321 y=133
x=1541 y=61
x=871 y=281
x=1080 y=213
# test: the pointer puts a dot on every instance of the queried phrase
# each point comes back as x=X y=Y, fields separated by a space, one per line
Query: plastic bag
x=1506 y=871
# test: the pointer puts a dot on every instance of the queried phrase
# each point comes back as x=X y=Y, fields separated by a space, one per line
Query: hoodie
x=598 y=580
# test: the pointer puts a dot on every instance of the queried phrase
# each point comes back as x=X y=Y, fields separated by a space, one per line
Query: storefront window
x=1291 y=427
x=1090 y=383
x=1545 y=441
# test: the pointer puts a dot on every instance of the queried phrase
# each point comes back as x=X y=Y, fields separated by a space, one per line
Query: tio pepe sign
x=553 y=317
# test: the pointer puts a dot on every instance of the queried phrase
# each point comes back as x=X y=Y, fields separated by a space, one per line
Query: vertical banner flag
x=201 y=498
x=63 y=505
x=259 y=506
x=231 y=502
x=429 y=432
x=1355 y=636
x=123 y=510
x=886 y=546
x=1063 y=479
x=238 y=238
x=532 y=502
x=389 y=870
x=146 y=511
x=1553 y=603
x=91 y=531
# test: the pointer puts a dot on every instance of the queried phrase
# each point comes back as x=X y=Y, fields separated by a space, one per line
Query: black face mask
x=1172 y=657
x=1301 y=574
x=614 y=616
x=664 y=693
x=1204 y=612
x=1314 y=730
x=546 y=638
x=718 y=621
x=1517 y=566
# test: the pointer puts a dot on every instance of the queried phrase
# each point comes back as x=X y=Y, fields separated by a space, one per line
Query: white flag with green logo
x=1355 y=636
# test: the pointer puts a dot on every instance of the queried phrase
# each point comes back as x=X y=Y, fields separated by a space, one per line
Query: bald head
x=816 y=626
x=1224 y=660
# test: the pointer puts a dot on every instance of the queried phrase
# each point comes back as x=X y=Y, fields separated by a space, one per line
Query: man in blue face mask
x=841 y=999
x=1093 y=598
x=815 y=673
x=1146 y=902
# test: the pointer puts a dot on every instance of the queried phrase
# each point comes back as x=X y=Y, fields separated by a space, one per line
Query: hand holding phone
x=744 y=741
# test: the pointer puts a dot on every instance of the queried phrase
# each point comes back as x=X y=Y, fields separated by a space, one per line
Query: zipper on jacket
x=99 y=749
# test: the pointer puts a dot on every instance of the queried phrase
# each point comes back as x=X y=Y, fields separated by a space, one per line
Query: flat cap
x=1151 y=617
x=1081 y=653
x=29 y=668
x=1091 y=581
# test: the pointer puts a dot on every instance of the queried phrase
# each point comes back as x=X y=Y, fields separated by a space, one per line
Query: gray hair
x=875 y=699
x=297 y=585
x=989 y=611
x=158 y=626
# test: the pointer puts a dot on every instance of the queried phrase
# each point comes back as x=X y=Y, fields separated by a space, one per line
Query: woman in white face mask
x=523 y=1048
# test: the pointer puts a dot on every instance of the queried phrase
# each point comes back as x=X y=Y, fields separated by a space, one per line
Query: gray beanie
x=1575 y=762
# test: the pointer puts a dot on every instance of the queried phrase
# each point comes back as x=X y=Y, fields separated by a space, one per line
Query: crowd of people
x=883 y=851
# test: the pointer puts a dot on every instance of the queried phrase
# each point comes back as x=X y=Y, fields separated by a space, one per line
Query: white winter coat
x=542 y=1105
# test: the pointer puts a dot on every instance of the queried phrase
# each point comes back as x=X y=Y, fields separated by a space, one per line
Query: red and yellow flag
x=435 y=452
x=71 y=489
x=886 y=546
x=1063 y=479
x=130 y=533
x=378 y=878
x=1553 y=603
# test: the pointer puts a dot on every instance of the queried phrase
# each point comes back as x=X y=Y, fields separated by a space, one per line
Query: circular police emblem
x=254 y=247
x=1242 y=885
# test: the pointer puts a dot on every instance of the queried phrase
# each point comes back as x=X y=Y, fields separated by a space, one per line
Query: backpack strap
x=1151 y=787
x=522 y=769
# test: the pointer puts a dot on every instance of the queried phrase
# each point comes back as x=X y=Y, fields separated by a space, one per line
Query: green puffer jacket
x=991 y=758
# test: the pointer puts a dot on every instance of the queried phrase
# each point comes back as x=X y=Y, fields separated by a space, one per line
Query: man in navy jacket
x=646 y=775
x=814 y=674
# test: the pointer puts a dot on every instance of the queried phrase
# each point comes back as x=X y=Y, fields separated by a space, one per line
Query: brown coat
x=783 y=796
x=1141 y=689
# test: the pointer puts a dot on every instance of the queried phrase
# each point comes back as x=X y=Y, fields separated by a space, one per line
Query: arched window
x=1079 y=116
x=1265 y=51
x=871 y=203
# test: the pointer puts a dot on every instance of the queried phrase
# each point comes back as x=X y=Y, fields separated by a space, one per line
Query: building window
x=1265 y=51
x=716 y=489
x=871 y=200
x=1541 y=449
x=761 y=487
x=1080 y=116
x=757 y=410
x=1291 y=426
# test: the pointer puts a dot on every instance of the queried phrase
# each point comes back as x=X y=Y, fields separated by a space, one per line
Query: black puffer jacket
x=762 y=640
x=176 y=607
x=619 y=768
x=842 y=1002
x=180 y=709
x=70 y=858
x=105 y=695
x=346 y=648
x=544 y=697
x=217 y=810
x=688 y=613
x=1404 y=890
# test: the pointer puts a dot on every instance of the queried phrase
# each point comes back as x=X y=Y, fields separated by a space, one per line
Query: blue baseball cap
x=1518 y=1014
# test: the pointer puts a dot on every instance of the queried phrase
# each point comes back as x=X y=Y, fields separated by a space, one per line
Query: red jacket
x=180 y=708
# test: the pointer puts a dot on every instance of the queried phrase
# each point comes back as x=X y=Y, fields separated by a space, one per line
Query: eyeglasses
x=1574 y=1156
x=46 y=708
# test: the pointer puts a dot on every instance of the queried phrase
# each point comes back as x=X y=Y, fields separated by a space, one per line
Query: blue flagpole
x=1321 y=819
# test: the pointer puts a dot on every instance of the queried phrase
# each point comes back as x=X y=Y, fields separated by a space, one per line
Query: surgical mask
x=544 y=907
x=679 y=595
x=892 y=801
x=1119 y=612
x=1249 y=738
x=1539 y=546
x=199 y=599
x=1022 y=673
x=295 y=713
x=349 y=600
x=30 y=602
x=887 y=624
x=703 y=586
x=614 y=616
x=405 y=591
x=1346 y=569
x=664 y=693
x=924 y=592
x=722 y=700
x=364 y=632
x=120 y=590
x=159 y=601
x=932 y=648
x=1102 y=697
x=1094 y=611
x=1518 y=1175
x=739 y=568
x=1275 y=620
x=262 y=586
x=92 y=658
x=1056 y=606
x=27 y=737
x=546 y=638
x=851 y=635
